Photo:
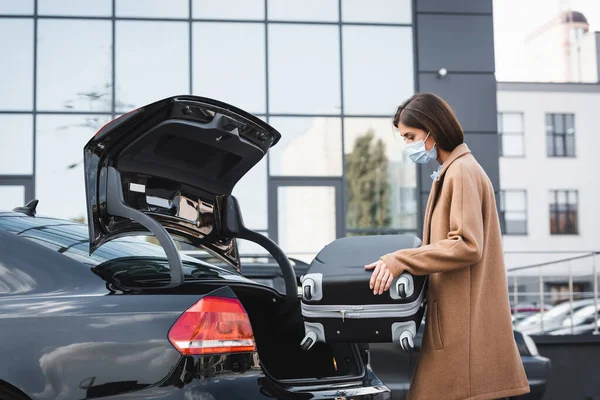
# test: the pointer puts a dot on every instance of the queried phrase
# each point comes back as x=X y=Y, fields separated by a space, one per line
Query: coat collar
x=459 y=151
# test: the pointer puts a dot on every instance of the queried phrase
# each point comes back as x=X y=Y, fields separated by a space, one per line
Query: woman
x=468 y=349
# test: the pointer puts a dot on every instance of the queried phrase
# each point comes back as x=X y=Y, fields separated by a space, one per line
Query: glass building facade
x=328 y=74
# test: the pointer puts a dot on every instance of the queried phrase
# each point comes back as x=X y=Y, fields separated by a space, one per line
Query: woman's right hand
x=382 y=277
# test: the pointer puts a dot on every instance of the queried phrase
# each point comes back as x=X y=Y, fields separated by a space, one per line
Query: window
x=74 y=65
x=145 y=74
x=378 y=68
x=560 y=135
x=510 y=131
x=563 y=212
x=303 y=10
x=11 y=196
x=377 y=11
x=16 y=47
x=21 y=7
x=16 y=151
x=304 y=69
x=381 y=187
x=251 y=193
x=59 y=174
x=217 y=70
x=513 y=212
x=318 y=140
x=75 y=7
x=153 y=9
x=229 y=9
x=72 y=240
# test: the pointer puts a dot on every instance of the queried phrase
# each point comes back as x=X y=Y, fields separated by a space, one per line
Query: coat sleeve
x=464 y=243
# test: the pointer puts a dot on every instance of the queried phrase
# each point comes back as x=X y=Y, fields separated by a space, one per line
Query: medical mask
x=419 y=154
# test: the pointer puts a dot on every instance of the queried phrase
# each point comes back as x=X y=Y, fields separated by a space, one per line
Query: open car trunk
x=169 y=168
x=278 y=338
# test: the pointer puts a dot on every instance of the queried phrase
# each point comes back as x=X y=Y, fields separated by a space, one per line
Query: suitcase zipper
x=362 y=311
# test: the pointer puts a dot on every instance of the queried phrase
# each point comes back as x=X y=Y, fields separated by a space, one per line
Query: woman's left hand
x=382 y=277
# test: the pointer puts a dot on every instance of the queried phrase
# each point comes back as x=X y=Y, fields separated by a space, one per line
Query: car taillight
x=214 y=325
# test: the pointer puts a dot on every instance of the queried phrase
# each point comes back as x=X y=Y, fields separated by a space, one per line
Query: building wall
x=295 y=64
x=558 y=258
x=458 y=35
x=537 y=173
x=589 y=53
x=335 y=68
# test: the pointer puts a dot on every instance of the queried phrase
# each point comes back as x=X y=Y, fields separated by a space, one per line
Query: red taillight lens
x=214 y=325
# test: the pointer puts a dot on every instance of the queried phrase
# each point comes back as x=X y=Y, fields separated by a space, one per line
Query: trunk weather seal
x=115 y=204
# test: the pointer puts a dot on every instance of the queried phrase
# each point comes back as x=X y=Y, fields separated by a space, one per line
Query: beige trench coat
x=468 y=349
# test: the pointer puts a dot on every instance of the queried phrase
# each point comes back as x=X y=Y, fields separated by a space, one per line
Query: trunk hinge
x=115 y=205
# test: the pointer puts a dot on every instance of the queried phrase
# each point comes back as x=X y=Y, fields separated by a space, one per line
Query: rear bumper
x=538 y=373
x=254 y=385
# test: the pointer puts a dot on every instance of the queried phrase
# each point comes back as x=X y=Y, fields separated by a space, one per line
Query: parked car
x=590 y=328
x=390 y=363
x=95 y=311
x=523 y=311
x=584 y=321
x=553 y=319
x=585 y=315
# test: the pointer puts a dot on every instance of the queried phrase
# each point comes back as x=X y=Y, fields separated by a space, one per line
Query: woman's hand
x=382 y=277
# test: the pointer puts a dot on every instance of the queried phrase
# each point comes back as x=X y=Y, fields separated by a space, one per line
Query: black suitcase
x=338 y=305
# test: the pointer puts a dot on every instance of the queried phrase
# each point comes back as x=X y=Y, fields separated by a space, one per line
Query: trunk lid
x=176 y=159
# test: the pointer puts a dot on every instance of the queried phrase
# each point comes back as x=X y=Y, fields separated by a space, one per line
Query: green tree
x=80 y=218
x=368 y=187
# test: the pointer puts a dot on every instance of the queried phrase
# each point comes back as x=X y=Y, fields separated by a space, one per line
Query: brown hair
x=431 y=113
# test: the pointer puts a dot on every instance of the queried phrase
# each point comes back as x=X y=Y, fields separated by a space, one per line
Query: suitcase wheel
x=404 y=287
x=307 y=293
x=402 y=290
x=309 y=340
x=406 y=341
x=307 y=344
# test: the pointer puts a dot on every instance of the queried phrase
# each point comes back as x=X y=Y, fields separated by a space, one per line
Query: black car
x=390 y=363
x=96 y=311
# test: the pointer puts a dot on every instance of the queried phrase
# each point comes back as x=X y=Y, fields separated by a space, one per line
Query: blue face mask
x=419 y=154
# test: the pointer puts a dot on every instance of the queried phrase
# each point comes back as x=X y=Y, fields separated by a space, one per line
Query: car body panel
x=537 y=369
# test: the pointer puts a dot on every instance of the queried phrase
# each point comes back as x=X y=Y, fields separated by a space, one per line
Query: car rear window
x=72 y=240
x=130 y=257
